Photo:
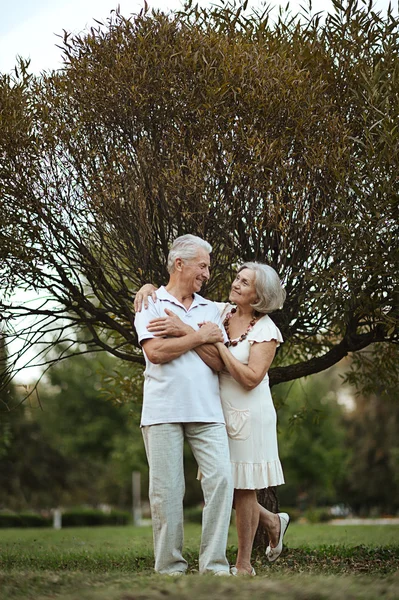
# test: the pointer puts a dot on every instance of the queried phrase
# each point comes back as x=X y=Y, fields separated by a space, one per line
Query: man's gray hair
x=270 y=292
x=186 y=247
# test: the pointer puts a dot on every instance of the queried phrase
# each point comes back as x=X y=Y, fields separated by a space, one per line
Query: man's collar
x=163 y=294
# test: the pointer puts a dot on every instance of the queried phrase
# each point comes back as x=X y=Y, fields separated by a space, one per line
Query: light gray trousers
x=164 y=447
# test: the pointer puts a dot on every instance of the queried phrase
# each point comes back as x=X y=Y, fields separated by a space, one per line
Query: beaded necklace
x=227 y=326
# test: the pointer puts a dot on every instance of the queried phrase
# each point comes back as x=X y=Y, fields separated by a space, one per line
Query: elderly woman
x=247 y=403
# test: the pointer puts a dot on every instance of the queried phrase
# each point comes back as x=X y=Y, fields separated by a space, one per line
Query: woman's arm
x=260 y=358
x=210 y=355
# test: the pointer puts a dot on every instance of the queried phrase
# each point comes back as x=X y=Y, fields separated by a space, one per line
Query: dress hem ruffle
x=255 y=476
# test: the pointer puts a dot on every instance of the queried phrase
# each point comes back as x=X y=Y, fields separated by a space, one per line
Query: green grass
x=351 y=535
x=69 y=586
x=115 y=563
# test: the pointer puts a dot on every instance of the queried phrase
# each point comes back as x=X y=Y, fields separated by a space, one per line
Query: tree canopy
x=276 y=142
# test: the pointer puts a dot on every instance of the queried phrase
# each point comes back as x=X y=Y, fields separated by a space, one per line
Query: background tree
x=372 y=435
x=99 y=435
x=312 y=442
x=76 y=446
x=373 y=432
x=29 y=464
x=275 y=142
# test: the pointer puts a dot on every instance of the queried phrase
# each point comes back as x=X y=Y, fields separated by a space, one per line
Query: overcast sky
x=28 y=27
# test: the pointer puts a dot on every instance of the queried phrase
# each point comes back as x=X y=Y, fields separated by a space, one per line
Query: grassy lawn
x=115 y=563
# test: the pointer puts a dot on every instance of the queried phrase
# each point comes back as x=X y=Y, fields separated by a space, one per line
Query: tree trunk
x=267 y=498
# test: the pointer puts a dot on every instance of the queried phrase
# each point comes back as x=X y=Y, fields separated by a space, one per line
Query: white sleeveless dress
x=251 y=417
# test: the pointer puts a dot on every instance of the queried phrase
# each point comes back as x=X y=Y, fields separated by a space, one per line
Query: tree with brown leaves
x=274 y=142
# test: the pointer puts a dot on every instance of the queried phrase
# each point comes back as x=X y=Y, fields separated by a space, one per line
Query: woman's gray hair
x=271 y=294
x=186 y=247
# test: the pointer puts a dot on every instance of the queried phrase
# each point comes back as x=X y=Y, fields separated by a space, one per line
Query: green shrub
x=294 y=512
x=8 y=519
x=80 y=517
x=35 y=520
x=87 y=517
x=318 y=515
x=193 y=514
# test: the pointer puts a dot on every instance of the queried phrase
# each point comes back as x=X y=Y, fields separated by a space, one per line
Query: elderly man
x=181 y=400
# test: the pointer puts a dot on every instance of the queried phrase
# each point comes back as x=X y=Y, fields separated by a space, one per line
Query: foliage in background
x=77 y=446
x=372 y=435
x=29 y=463
x=86 y=517
x=312 y=438
x=276 y=142
x=81 y=446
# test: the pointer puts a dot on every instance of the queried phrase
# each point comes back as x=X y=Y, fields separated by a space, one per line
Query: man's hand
x=210 y=333
x=141 y=298
x=162 y=350
x=170 y=326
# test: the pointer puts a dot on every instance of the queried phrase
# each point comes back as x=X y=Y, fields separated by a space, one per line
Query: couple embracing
x=206 y=381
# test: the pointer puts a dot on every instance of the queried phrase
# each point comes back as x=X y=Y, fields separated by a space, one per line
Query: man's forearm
x=207 y=352
x=210 y=355
x=163 y=350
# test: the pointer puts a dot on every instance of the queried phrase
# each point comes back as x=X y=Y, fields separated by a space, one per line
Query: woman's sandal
x=234 y=571
x=273 y=553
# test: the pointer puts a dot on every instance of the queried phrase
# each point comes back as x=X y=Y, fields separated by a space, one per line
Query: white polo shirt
x=184 y=390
